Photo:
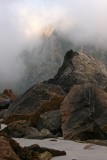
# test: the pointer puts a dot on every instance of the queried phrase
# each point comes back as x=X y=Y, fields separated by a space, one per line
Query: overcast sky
x=83 y=21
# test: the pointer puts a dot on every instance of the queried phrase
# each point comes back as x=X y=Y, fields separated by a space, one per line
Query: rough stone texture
x=20 y=129
x=4 y=104
x=34 y=133
x=2 y=112
x=79 y=68
x=40 y=150
x=10 y=150
x=9 y=93
x=84 y=113
x=6 y=98
x=50 y=120
x=35 y=101
x=16 y=129
x=45 y=156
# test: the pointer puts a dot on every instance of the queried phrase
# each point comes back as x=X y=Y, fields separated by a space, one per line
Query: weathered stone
x=4 y=104
x=36 y=148
x=79 y=68
x=47 y=134
x=20 y=129
x=50 y=120
x=10 y=150
x=33 y=133
x=16 y=129
x=9 y=93
x=84 y=113
x=45 y=156
x=37 y=100
x=6 y=98
x=2 y=112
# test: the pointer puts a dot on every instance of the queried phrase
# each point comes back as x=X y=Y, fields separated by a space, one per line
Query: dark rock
x=34 y=133
x=2 y=112
x=79 y=68
x=20 y=129
x=10 y=150
x=6 y=98
x=16 y=129
x=84 y=113
x=50 y=120
x=54 y=152
x=34 y=102
x=5 y=104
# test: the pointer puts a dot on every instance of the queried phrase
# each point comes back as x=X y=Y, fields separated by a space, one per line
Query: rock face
x=79 y=68
x=35 y=101
x=84 y=113
x=21 y=129
x=50 y=120
x=2 y=112
x=9 y=149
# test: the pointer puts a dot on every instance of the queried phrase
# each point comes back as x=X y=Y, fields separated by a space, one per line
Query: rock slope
x=79 y=68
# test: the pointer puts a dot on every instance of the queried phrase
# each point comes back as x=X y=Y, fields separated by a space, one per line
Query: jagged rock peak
x=79 y=68
x=69 y=55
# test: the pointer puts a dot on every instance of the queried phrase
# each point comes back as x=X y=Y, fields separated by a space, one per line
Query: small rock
x=45 y=156
x=89 y=146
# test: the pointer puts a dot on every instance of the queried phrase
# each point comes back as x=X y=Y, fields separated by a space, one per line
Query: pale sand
x=74 y=150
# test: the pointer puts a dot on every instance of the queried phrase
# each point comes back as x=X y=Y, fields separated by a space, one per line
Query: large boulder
x=21 y=129
x=50 y=120
x=84 y=113
x=35 y=101
x=79 y=68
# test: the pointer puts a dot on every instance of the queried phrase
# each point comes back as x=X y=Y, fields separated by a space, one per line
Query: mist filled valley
x=36 y=35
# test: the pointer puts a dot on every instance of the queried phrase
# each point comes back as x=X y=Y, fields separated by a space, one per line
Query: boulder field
x=73 y=103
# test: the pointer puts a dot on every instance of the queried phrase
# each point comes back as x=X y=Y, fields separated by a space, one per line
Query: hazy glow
x=23 y=22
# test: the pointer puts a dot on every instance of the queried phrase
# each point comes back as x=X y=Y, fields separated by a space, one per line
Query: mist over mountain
x=34 y=36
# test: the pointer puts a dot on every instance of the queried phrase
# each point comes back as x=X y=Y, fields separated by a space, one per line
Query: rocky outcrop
x=84 y=113
x=2 y=112
x=34 y=102
x=9 y=93
x=21 y=129
x=10 y=150
x=79 y=68
x=16 y=129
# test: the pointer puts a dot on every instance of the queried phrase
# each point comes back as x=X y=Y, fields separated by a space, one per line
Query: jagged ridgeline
x=43 y=60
